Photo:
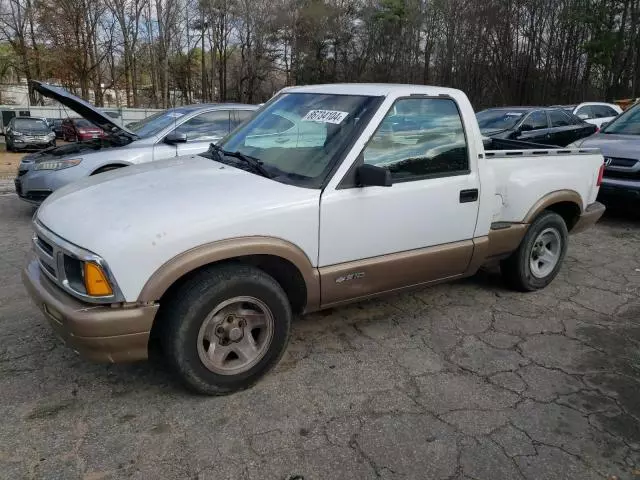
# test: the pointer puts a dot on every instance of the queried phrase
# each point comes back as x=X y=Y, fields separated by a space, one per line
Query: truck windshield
x=500 y=119
x=298 y=137
x=627 y=123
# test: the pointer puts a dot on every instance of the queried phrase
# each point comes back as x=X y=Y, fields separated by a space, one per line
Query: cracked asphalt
x=461 y=381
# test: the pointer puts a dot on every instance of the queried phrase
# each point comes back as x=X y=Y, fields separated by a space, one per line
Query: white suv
x=596 y=113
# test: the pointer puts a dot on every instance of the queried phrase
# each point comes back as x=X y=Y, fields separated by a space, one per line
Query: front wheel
x=225 y=328
x=539 y=257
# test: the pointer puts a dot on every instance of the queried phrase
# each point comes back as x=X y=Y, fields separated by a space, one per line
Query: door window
x=239 y=116
x=535 y=121
x=420 y=138
x=206 y=126
x=558 y=119
x=603 y=111
x=585 y=112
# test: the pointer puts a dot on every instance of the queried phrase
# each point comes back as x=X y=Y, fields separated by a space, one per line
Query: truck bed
x=523 y=176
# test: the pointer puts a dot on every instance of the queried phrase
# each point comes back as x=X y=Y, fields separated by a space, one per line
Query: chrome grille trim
x=52 y=264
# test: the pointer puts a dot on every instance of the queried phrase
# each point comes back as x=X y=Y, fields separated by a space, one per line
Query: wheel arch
x=285 y=262
x=566 y=203
x=115 y=163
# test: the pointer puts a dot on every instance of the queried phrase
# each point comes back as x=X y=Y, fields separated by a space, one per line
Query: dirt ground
x=9 y=162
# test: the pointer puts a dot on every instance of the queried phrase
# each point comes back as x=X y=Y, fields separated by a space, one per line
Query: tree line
x=158 y=53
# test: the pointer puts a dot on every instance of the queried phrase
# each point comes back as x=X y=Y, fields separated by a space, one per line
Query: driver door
x=420 y=229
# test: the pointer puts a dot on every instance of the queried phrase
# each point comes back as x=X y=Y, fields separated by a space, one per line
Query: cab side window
x=535 y=121
x=206 y=126
x=420 y=138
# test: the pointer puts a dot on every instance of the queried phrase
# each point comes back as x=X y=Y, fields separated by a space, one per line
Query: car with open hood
x=619 y=142
x=177 y=131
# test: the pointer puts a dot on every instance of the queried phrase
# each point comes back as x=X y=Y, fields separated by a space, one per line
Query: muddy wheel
x=225 y=328
x=539 y=257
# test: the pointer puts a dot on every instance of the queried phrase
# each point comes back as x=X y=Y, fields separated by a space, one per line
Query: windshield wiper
x=254 y=163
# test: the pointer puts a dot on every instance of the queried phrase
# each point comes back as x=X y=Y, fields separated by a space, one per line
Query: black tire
x=516 y=269
x=9 y=147
x=185 y=312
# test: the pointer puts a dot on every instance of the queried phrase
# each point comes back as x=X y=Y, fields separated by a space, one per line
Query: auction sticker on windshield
x=325 y=116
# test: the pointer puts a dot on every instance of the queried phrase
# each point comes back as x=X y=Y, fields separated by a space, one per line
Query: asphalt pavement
x=461 y=381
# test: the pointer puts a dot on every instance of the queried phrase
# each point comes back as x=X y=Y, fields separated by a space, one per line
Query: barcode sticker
x=325 y=116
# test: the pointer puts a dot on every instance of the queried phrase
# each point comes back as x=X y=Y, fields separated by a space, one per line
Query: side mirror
x=174 y=138
x=525 y=128
x=373 y=176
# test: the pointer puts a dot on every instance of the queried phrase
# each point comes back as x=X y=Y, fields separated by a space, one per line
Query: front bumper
x=101 y=333
x=32 y=144
x=589 y=217
x=35 y=186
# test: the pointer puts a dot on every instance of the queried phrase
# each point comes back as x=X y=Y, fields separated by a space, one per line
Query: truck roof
x=373 y=89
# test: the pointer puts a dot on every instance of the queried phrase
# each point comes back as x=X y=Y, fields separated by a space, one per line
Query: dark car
x=549 y=126
x=56 y=126
x=25 y=133
x=80 y=129
x=619 y=142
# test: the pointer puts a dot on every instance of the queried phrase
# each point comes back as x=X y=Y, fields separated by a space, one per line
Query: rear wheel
x=225 y=328
x=539 y=257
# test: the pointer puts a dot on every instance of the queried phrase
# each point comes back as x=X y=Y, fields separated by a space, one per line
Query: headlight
x=57 y=164
x=86 y=277
x=51 y=135
x=18 y=134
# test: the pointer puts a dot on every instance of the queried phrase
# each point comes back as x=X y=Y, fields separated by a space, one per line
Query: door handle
x=468 y=196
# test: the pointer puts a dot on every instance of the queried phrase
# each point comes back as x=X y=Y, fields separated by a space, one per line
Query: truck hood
x=85 y=109
x=159 y=195
x=612 y=145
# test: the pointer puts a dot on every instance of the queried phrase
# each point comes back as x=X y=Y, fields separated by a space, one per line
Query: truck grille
x=44 y=245
x=47 y=256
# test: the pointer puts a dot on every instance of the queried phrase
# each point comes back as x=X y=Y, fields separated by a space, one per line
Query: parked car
x=56 y=126
x=178 y=131
x=79 y=130
x=213 y=253
x=596 y=113
x=620 y=144
x=550 y=126
x=25 y=133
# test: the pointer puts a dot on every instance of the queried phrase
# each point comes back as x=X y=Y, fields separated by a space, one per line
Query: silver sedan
x=173 y=132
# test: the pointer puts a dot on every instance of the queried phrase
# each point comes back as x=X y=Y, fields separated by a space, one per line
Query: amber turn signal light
x=95 y=281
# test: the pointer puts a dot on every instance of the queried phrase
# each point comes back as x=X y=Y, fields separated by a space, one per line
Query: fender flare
x=184 y=263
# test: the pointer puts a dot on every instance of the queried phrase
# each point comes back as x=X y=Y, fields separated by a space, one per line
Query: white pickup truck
x=330 y=194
